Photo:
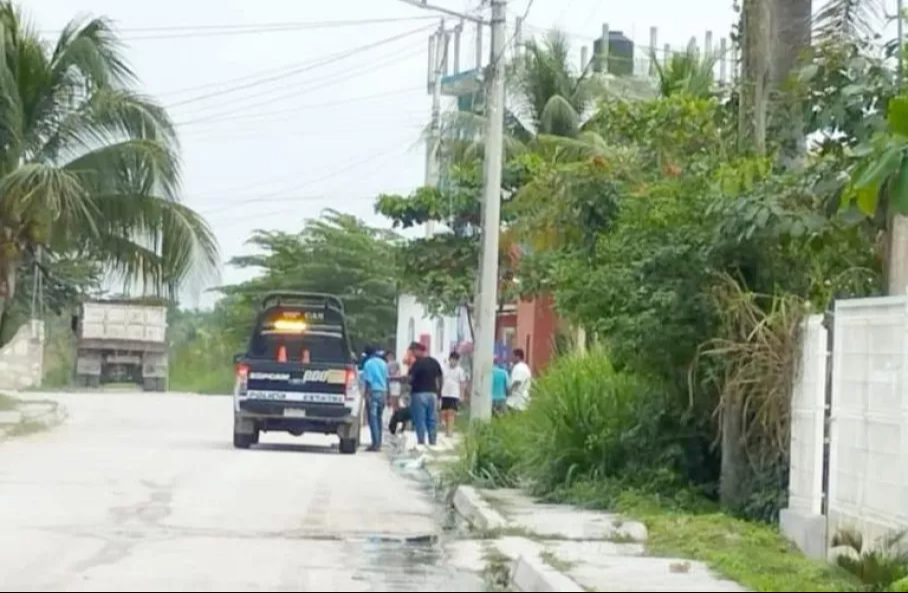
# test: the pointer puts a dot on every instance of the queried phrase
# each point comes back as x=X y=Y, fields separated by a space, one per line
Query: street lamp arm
x=467 y=17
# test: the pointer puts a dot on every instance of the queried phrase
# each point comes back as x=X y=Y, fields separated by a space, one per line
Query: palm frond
x=854 y=20
x=92 y=49
x=686 y=72
x=109 y=115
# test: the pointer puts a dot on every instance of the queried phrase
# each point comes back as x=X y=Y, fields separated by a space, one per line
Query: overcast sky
x=271 y=137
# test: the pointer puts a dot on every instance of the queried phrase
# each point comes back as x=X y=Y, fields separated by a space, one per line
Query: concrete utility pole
x=438 y=55
x=897 y=264
x=487 y=301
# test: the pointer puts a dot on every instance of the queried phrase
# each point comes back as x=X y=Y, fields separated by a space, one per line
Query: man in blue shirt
x=499 y=387
x=375 y=376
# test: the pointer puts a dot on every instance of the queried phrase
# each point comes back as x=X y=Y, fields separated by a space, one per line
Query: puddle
x=422 y=565
x=397 y=566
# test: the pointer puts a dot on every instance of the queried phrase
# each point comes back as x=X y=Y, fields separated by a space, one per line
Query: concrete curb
x=533 y=575
x=473 y=507
x=53 y=415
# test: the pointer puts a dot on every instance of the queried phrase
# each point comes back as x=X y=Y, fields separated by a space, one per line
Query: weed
x=555 y=562
x=26 y=427
x=878 y=568
x=8 y=403
x=497 y=572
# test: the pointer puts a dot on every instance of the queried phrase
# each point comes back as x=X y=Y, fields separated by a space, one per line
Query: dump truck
x=121 y=341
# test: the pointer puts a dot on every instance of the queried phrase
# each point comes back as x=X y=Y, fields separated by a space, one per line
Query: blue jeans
x=423 y=407
x=376 y=407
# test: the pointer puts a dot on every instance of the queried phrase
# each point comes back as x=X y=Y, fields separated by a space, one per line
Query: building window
x=411 y=332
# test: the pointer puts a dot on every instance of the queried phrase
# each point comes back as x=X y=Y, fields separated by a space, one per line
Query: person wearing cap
x=375 y=376
x=425 y=377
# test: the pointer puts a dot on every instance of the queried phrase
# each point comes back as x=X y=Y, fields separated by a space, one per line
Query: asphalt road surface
x=140 y=492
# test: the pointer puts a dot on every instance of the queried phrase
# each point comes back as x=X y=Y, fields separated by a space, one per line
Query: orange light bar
x=290 y=326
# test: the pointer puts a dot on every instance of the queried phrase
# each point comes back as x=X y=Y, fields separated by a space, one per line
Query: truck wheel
x=242 y=440
x=349 y=446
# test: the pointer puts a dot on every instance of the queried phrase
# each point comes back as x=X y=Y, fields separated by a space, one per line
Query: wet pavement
x=140 y=492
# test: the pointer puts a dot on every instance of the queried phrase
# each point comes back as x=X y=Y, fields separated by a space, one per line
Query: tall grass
x=586 y=421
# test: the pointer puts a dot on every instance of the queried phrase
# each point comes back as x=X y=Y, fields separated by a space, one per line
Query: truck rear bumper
x=272 y=416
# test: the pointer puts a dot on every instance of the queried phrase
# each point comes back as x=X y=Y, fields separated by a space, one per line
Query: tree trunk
x=756 y=30
x=791 y=26
x=8 y=267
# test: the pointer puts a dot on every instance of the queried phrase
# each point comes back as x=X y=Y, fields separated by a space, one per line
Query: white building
x=440 y=333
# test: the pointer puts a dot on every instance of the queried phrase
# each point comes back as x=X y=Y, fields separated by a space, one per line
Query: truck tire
x=242 y=440
x=154 y=384
x=348 y=446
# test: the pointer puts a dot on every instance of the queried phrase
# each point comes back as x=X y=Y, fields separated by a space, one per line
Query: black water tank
x=620 y=54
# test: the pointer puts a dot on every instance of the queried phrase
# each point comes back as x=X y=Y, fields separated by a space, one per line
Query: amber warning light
x=290 y=326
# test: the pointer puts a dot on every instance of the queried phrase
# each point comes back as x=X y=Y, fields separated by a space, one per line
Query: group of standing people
x=431 y=389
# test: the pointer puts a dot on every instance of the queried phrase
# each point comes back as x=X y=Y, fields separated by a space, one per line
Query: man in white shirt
x=455 y=380
x=521 y=378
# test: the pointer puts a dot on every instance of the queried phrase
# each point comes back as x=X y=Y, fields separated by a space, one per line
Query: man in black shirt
x=425 y=386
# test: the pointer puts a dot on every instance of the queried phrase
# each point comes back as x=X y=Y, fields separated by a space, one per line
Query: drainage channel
x=427 y=560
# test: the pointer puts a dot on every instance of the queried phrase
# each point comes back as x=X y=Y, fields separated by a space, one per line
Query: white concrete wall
x=22 y=359
x=868 y=426
x=413 y=321
x=868 y=460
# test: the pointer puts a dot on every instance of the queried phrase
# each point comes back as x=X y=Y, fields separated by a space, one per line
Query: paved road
x=146 y=493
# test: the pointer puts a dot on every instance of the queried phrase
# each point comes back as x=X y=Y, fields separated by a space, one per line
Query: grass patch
x=497 y=571
x=8 y=403
x=753 y=554
x=555 y=562
x=26 y=428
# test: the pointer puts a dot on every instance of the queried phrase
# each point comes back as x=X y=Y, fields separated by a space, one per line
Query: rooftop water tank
x=620 y=54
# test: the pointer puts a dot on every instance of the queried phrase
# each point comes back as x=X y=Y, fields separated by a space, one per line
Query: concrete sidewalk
x=563 y=548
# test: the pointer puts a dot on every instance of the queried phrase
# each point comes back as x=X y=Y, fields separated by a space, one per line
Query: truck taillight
x=352 y=384
x=242 y=372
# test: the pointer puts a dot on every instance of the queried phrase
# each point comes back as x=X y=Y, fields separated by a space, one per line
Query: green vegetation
x=8 y=403
x=600 y=438
x=878 y=567
x=335 y=253
x=89 y=168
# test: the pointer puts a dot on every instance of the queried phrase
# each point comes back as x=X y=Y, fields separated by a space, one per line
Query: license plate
x=294 y=413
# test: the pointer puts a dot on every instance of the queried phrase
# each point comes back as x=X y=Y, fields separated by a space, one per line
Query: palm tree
x=88 y=166
x=549 y=99
x=686 y=73
x=846 y=20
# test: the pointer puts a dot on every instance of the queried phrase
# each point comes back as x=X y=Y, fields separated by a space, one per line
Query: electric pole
x=487 y=297
x=897 y=261
x=438 y=55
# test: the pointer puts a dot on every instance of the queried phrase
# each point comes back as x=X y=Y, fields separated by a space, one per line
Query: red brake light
x=242 y=371
x=352 y=384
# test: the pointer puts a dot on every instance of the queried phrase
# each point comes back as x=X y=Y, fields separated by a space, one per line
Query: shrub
x=879 y=567
x=491 y=452
x=589 y=421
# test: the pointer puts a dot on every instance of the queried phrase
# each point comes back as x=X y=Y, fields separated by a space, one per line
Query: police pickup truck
x=298 y=373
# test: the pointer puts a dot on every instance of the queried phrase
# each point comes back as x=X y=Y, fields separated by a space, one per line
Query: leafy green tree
x=337 y=254
x=441 y=271
x=89 y=167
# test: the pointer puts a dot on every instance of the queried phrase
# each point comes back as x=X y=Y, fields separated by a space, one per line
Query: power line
x=259 y=118
x=276 y=196
x=300 y=88
x=305 y=68
x=256 y=27
x=350 y=164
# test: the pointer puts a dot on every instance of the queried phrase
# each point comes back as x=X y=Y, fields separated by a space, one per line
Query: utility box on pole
x=122 y=341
